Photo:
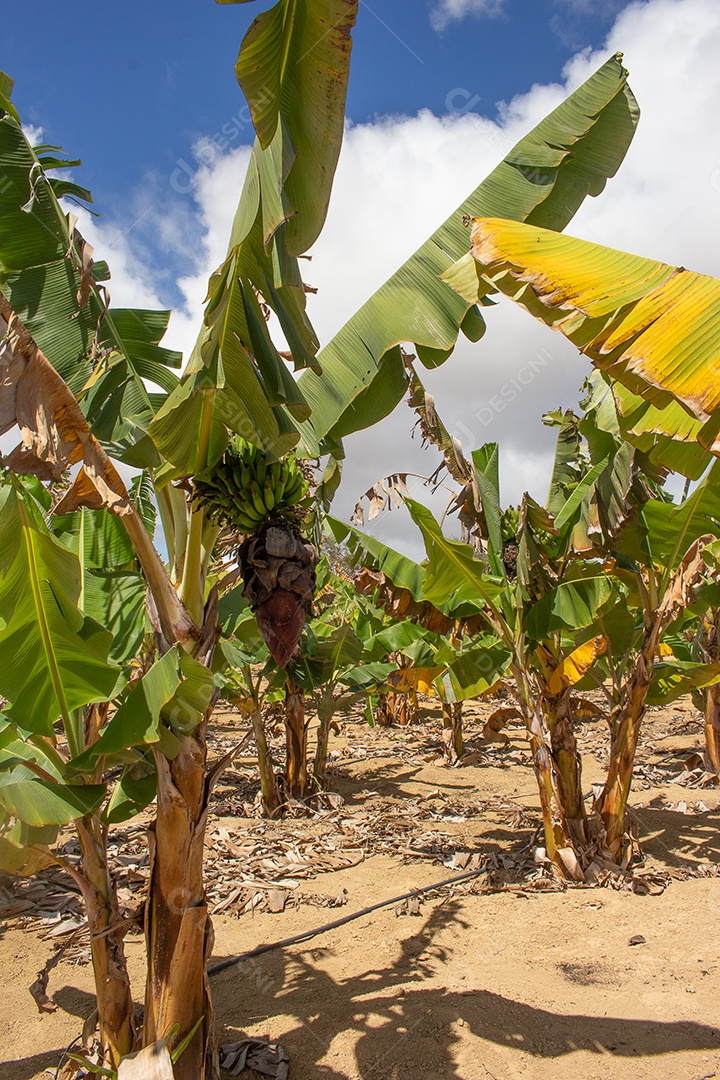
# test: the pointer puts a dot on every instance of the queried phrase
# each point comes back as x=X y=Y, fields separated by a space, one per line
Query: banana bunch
x=509 y=524
x=245 y=490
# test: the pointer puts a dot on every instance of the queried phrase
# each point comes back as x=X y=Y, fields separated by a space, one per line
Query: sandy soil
x=501 y=977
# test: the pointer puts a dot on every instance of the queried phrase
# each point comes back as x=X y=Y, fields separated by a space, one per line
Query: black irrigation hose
x=261 y=949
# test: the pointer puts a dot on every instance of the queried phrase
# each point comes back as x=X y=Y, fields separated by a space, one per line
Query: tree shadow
x=395 y=776
x=407 y=1030
x=26 y=1068
x=679 y=840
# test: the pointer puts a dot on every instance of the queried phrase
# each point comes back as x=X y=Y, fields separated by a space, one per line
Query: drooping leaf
x=24 y=849
x=647 y=324
x=293 y=69
x=192 y=697
x=52 y=658
x=39 y=802
x=571 y=605
x=46 y=272
x=674 y=679
x=131 y=794
x=401 y=570
x=138 y=719
x=474 y=671
x=576 y=665
x=669 y=529
x=453 y=575
x=544 y=179
x=417 y=679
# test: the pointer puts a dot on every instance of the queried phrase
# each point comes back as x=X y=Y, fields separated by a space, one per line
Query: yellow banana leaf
x=419 y=679
x=653 y=327
x=576 y=666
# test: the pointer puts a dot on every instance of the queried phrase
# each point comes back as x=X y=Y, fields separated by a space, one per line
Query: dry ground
x=501 y=977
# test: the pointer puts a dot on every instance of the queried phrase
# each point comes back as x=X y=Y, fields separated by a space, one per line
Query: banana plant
x=85 y=400
x=435 y=649
x=119 y=711
x=612 y=545
x=691 y=665
x=249 y=680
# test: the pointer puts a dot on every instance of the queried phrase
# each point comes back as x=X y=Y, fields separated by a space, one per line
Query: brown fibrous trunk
x=107 y=929
x=567 y=765
x=268 y=781
x=712 y=730
x=612 y=803
x=296 y=772
x=556 y=827
x=321 y=748
x=178 y=929
x=452 y=731
x=393 y=708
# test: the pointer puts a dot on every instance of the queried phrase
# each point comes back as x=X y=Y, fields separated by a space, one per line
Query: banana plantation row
x=222 y=573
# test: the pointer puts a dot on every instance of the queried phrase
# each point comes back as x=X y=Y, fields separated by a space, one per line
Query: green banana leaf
x=544 y=179
x=293 y=66
x=453 y=576
x=668 y=529
x=674 y=679
x=38 y=802
x=24 y=849
x=571 y=605
x=402 y=571
x=102 y=536
x=397 y=637
x=325 y=657
x=116 y=600
x=473 y=672
x=487 y=477
x=53 y=659
x=567 y=467
x=48 y=276
x=175 y=691
x=293 y=69
x=131 y=794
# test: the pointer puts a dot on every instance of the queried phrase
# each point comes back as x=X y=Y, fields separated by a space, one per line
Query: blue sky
x=131 y=86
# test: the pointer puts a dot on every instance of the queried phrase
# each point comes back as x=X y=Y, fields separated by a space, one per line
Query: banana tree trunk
x=325 y=715
x=558 y=837
x=567 y=765
x=452 y=731
x=386 y=712
x=112 y=984
x=613 y=800
x=712 y=729
x=178 y=929
x=710 y=643
x=400 y=709
x=268 y=781
x=296 y=772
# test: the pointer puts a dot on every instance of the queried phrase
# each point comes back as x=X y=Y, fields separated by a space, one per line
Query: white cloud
x=34 y=135
x=400 y=177
x=447 y=11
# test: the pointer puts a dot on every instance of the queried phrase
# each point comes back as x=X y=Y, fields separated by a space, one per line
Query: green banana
x=280 y=484
x=257 y=500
